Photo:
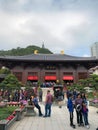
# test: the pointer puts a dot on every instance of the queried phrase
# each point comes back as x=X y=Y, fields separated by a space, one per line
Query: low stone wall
x=19 y=113
x=6 y=124
x=30 y=110
x=3 y=104
x=13 y=103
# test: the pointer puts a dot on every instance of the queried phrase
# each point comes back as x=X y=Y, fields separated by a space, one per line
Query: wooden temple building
x=49 y=67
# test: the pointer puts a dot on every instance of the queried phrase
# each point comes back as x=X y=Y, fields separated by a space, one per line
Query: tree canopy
x=4 y=70
x=10 y=83
x=91 y=82
x=25 y=51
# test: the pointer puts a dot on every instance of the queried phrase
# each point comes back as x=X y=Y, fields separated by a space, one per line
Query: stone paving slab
x=59 y=120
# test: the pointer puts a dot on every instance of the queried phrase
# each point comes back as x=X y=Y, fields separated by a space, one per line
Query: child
x=70 y=107
x=85 y=114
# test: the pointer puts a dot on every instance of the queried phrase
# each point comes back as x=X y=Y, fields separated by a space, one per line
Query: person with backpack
x=60 y=97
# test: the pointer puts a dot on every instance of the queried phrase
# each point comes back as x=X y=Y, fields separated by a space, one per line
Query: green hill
x=25 y=51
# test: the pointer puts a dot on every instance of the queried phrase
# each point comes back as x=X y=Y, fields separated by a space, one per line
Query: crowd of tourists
x=18 y=95
x=76 y=101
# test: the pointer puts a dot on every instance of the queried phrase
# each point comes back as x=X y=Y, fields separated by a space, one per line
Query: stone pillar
x=18 y=114
x=30 y=110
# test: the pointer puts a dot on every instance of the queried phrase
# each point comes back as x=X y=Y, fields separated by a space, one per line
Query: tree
x=5 y=70
x=10 y=83
x=94 y=81
x=91 y=82
x=25 y=51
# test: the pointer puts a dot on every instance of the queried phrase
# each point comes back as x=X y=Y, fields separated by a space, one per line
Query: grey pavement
x=59 y=120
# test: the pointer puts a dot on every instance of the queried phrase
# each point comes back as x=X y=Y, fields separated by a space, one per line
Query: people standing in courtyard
x=83 y=96
x=78 y=106
x=60 y=97
x=85 y=114
x=36 y=104
x=40 y=93
x=48 y=103
x=85 y=109
x=74 y=94
x=70 y=107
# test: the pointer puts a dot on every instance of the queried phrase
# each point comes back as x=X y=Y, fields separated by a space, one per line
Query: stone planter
x=19 y=113
x=30 y=110
x=6 y=124
x=16 y=116
x=3 y=104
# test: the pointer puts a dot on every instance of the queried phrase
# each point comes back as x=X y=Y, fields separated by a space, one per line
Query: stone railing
x=3 y=104
x=27 y=110
x=30 y=110
x=6 y=124
x=19 y=112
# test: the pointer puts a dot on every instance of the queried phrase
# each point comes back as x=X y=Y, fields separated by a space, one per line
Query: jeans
x=79 y=117
x=85 y=116
x=71 y=118
x=39 y=109
x=48 y=109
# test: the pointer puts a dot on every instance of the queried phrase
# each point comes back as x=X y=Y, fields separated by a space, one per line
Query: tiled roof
x=48 y=57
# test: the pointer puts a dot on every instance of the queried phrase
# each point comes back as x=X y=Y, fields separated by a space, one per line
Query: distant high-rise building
x=94 y=49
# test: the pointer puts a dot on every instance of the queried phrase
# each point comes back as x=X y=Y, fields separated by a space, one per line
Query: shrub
x=7 y=111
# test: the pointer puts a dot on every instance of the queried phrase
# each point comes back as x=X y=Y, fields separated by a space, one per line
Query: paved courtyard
x=59 y=120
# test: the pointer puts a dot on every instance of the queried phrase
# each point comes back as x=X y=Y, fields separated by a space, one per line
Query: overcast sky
x=69 y=25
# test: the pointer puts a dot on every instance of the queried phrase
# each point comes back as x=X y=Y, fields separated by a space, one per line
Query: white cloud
x=59 y=29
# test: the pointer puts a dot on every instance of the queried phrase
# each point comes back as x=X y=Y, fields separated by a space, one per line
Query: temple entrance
x=32 y=81
x=68 y=79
